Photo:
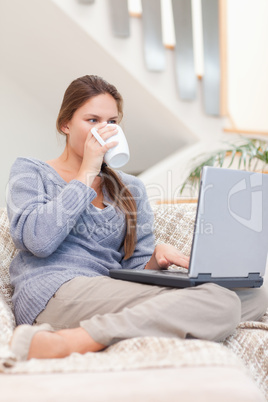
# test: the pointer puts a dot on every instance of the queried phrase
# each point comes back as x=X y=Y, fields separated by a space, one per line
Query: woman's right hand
x=94 y=153
x=165 y=255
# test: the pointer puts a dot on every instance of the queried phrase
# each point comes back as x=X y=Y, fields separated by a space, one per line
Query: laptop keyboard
x=181 y=272
x=176 y=268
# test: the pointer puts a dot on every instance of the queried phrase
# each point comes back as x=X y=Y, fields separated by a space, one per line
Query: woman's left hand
x=165 y=255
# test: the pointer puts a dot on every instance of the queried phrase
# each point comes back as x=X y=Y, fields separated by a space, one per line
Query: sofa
x=139 y=369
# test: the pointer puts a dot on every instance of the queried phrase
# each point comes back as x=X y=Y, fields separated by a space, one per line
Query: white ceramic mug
x=119 y=155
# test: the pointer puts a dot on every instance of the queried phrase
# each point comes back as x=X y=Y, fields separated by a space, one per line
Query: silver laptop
x=230 y=240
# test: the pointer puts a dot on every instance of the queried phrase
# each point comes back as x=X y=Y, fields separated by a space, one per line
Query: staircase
x=51 y=42
x=164 y=131
x=45 y=44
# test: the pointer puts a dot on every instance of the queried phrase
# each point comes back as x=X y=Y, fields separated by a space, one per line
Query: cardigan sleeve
x=145 y=229
x=39 y=221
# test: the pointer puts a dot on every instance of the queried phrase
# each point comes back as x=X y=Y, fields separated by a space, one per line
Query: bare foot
x=55 y=345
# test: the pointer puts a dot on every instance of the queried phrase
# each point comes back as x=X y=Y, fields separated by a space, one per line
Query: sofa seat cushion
x=135 y=353
x=157 y=353
x=211 y=384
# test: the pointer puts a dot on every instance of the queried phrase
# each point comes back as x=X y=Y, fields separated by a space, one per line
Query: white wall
x=165 y=179
x=247 y=44
x=27 y=129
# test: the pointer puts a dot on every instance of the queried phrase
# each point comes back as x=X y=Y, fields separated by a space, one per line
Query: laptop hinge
x=207 y=277
x=204 y=277
x=254 y=276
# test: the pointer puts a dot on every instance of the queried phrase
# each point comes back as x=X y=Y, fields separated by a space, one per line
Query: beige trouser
x=111 y=310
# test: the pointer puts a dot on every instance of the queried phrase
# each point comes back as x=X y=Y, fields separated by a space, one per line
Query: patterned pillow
x=7 y=253
x=174 y=224
x=249 y=343
x=7 y=321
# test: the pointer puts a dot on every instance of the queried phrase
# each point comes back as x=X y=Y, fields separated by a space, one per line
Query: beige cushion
x=174 y=224
x=183 y=384
x=7 y=253
x=139 y=353
x=7 y=325
x=250 y=342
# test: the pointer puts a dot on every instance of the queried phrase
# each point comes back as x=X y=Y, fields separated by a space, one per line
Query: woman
x=73 y=219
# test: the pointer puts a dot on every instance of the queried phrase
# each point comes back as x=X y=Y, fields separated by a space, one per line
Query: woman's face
x=100 y=108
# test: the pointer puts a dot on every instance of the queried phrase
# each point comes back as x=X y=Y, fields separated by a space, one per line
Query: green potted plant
x=252 y=154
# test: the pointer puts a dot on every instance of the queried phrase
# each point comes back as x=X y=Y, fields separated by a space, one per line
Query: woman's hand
x=94 y=153
x=165 y=255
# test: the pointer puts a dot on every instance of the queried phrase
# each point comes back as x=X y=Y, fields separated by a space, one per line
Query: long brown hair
x=79 y=92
